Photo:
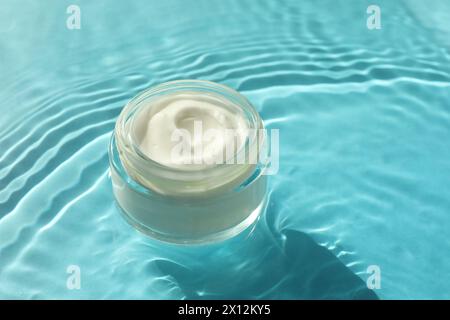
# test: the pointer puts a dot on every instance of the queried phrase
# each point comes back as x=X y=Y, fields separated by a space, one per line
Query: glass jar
x=189 y=206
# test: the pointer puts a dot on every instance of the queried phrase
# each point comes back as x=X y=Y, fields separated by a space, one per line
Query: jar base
x=213 y=238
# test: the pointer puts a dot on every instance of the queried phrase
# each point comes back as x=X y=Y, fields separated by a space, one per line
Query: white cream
x=190 y=131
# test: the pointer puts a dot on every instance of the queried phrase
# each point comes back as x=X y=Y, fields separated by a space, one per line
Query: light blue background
x=364 y=121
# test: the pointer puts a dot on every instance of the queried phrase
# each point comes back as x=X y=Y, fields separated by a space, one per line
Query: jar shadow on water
x=262 y=262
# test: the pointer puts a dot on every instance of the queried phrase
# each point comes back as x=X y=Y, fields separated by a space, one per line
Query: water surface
x=364 y=121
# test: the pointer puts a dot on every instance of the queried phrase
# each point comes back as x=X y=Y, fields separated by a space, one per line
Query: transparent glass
x=171 y=204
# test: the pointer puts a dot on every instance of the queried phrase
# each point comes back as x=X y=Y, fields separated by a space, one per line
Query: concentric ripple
x=364 y=120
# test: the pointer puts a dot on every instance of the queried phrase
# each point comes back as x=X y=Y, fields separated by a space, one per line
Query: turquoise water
x=364 y=119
